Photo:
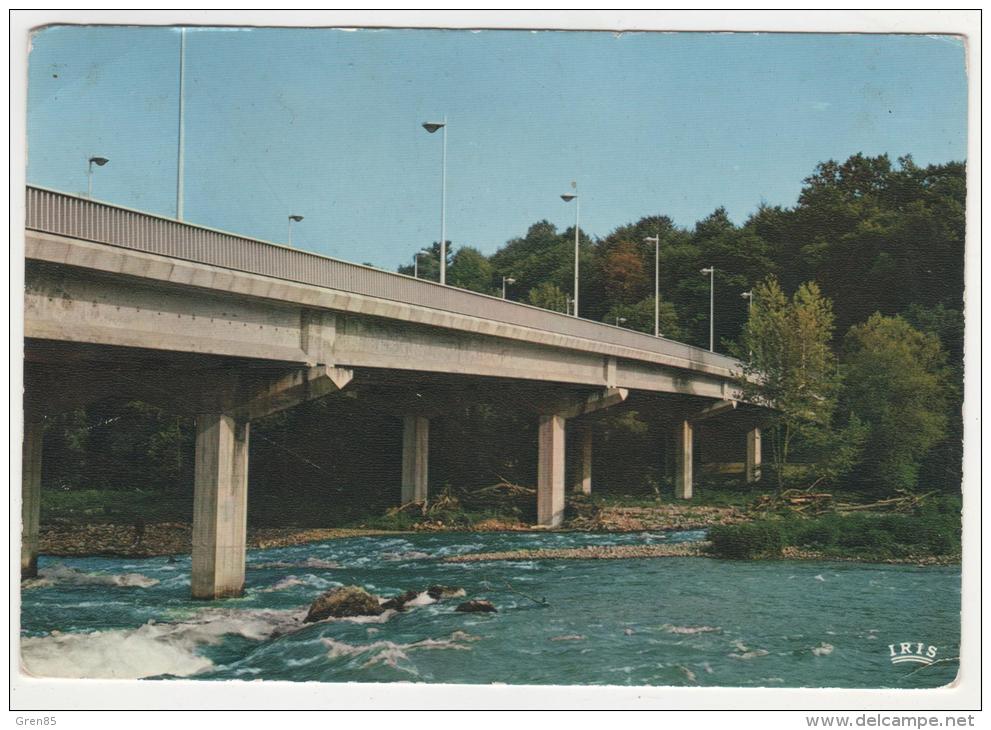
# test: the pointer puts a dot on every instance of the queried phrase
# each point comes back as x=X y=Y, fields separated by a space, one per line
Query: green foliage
x=548 y=296
x=131 y=506
x=789 y=366
x=896 y=382
x=932 y=531
x=747 y=540
x=471 y=270
x=640 y=317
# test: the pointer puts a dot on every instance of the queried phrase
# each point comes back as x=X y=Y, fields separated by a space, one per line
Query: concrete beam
x=416 y=452
x=220 y=506
x=550 y=470
x=753 y=455
x=683 y=460
x=712 y=410
x=596 y=402
x=34 y=431
x=68 y=251
x=291 y=390
x=94 y=308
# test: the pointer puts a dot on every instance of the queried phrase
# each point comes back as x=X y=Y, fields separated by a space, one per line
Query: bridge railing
x=68 y=215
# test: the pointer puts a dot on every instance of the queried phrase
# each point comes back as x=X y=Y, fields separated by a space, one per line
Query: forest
x=865 y=271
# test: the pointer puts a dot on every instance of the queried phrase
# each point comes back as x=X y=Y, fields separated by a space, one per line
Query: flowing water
x=667 y=621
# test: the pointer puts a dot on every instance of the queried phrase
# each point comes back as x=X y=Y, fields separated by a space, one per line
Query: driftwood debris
x=808 y=502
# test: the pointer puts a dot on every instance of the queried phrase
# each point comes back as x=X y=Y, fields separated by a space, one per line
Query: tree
x=469 y=269
x=640 y=317
x=428 y=263
x=789 y=367
x=548 y=296
x=896 y=381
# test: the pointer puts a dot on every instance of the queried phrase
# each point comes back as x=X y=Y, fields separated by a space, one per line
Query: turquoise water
x=670 y=621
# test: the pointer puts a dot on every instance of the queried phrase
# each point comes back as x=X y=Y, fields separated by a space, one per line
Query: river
x=666 y=621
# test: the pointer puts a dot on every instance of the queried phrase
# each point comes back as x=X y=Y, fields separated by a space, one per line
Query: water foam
x=62 y=574
x=151 y=649
x=390 y=653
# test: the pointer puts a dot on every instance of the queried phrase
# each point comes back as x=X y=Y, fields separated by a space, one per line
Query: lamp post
x=416 y=263
x=99 y=162
x=656 y=240
x=711 y=271
x=181 y=152
x=567 y=198
x=620 y=320
x=506 y=280
x=297 y=219
x=432 y=127
x=749 y=296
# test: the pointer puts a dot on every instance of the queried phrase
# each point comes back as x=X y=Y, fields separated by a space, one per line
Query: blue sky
x=326 y=124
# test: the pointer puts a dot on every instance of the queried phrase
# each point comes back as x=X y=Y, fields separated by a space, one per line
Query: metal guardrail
x=49 y=211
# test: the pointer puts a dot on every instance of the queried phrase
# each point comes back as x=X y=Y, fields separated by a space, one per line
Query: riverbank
x=175 y=538
x=696 y=549
x=923 y=536
x=171 y=538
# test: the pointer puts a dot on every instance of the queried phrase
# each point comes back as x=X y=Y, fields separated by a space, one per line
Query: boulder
x=399 y=602
x=439 y=592
x=476 y=605
x=344 y=602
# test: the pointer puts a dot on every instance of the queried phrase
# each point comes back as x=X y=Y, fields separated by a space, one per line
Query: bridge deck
x=59 y=213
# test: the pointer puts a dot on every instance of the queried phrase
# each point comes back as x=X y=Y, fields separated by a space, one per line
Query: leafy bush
x=747 y=541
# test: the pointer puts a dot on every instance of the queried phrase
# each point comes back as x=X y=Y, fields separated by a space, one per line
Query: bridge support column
x=683 y=460
x=550 y=470
x=220 y=506
x=583 y=482
x=31 y=495
x=753 y=455
x=416 y=448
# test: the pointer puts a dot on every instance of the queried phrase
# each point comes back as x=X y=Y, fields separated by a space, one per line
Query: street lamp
x=506 y=280
x=297 y=219
x=620 y=320
x=749 y=296
x=711 y=271
x=432 y=127
x=567 y=198
x=656 y=240
x=416 y=262
x=99 y=162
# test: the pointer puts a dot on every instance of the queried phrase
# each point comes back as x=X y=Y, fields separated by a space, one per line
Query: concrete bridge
x=230 y=329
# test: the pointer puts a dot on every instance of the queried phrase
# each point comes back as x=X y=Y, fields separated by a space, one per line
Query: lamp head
x=296 y=218
x=433 y=126
x=706 y=270
x=100 y=161
x=509 y=280
x=568 y=198
x=747 y=294
x=652 y=239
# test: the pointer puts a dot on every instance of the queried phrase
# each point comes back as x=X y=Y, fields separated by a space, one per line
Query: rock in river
x=399 y=602
x=439 y=592
x=343 y=602
x=476 y=606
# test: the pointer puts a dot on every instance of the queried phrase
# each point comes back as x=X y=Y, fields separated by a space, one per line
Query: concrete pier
x=416 y=451
x=753 y=455
x=550 y=470
x=220 y=502
x=683 y=460
x=34 y=430
x=583 y=480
